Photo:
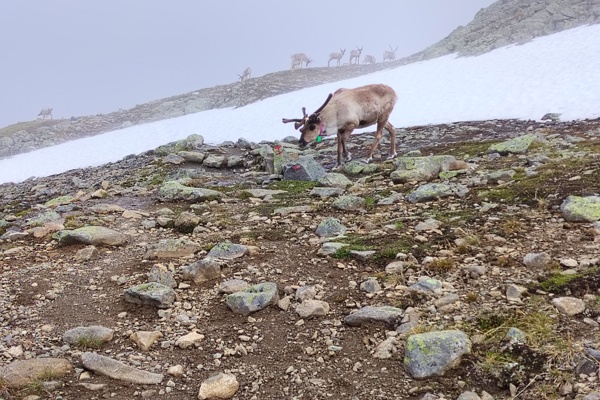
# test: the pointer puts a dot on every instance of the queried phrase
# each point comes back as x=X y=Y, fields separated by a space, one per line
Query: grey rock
x=420 y=168
x=117 y=370
x=569 y=305
x=312 y=308
x=213 y=161
x=175 y=191
x=94 y=235
x=233 y=285
x=434 y=191
x=303 y=169
x=426 y=284
x=592 y=396
x=334 y=179
x=171 y=248
x=253 y=299
x=192 y=156
x=330 y=227
x=518 y=145
x=306 y=293
x=537 y=260
x=94 y=332
x=434 y=353
x=500 y=176
x=581 y=209
x=201 y=271
x=515 y=335
x=152 y=294
x=235 y=161
x=228 y=251
x=262 y=193
x=161 y=274
x=186 y=222
x=391 y=199
x=370 y=286
x=349 y=203
x=468 y=396
x=173 y=159
x=325 y=192
x=293 y=210
x=21 y=373
x=329 y=248
x=390 y=316
x=219 y=386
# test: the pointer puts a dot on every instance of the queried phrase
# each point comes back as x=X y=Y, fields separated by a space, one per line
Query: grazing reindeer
x=369 y=60
x=390 y=55
x=346 y=110
x=355 y=54
x=337 y=57
x=298 y=59
x=247 y=74
x=46 y=112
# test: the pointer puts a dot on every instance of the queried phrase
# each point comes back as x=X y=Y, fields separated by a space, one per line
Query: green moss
x=292 y=187
x=556 y=281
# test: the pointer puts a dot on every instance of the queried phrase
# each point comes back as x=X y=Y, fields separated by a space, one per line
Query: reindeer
x=46 y=112
x=247 y=74
x=298 y=59
x=369 y=60
x=337 y=57
x=355 y=54
x=390 y=55
x=346 y=110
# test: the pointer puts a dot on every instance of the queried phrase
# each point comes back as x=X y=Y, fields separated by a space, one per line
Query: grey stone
x=161 y=274
x=192 y=156
x=326 y=192
x=234 y=161
x=262 y=193
x=420 y=168
x=293 y=210
x=349 y=203
x=370 y=286
x=391 y=199
x=219 y=386
x=303 y=169
x=518 y=145
x=94 y=332
x=213 y=161
x=152 y=294
x=171 y=248
x=390 y=316
x=355 y=167
x=312 y=308
x=434 y=191
x=117 y=370
x=253 y=299
x=581 y=209
x=334 y=179
x=306 y=293
x=204 y=270
x=569 y=305
x=426 y=284
x=502 y=175
x=468 y=396
x=434 y=353
x=173 y=159
x=186 y=222
x=233 y=285
x=330 y=227
x=329 y=248
x=228 y=251
x=175 y=191
x=94 y=235
x=537 y=260
x=515 y=335
x=21 y=373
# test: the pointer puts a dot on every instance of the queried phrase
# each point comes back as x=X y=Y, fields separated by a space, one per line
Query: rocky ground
x=126 y=281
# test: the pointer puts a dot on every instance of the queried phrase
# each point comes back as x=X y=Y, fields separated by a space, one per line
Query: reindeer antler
x=324 y=104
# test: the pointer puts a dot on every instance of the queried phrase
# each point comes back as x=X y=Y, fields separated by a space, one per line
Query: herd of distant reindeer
x=299 y=60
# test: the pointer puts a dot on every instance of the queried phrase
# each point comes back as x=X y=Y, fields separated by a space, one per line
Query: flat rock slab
x=581 y=209
x=253 y=299
x=94 y=235
x=303 y=169
x=434 y=191
x=228 y=251
x=312 y=308
x=293 y=210
x=325 y=192
x=434 y=353
x=335 y=180
x=426 y=284
x=207 y=269
x=390 y=316
x=420 y=168
x=349 y=203
x=175 y=191
x=153 y=294
x=569 y=305
x=171 y=248
x=518 y=145
x=262 y=193
x=21 y=373
x=94 y=332
x=117 y=370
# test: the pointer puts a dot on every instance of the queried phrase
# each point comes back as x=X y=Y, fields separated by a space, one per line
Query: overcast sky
x=85 y=57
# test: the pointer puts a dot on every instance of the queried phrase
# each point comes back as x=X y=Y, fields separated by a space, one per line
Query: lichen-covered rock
x=434 y=353
x=171 y=248
x=518 y=145
x=175 y=191
x=207 y=269
x=23 y=372
x=420 y=168
x=330 y=227
x=253 y=299
x=434 y=191
x=349 y=203
x=581 y=209
x=94 y=235
x=228 y=251
x=152 y=294
x=334 y=179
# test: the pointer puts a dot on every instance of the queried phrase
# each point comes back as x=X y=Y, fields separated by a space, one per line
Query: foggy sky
x=85 y=57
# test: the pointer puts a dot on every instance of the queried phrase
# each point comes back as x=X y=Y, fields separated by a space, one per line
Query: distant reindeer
x=298 y=59
x=45 y=113
x=337 y=57
x=247 y=74
x=369 y=60
x=390 y=55
x=355 y=54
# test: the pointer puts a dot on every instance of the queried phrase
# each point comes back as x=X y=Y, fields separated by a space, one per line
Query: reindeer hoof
x=367 y=160
x=392 y=156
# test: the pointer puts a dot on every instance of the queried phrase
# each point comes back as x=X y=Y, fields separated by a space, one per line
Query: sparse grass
x=441 y=265
x=512 y=226
x=87 y=342
x=506 y=262
x=471 y=297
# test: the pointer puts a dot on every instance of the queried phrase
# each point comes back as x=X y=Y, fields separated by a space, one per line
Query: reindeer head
x=309 y=125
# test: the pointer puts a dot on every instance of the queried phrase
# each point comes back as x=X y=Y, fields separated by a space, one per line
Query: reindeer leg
x=390 y=128
x=378 y=136
x=339 y=151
